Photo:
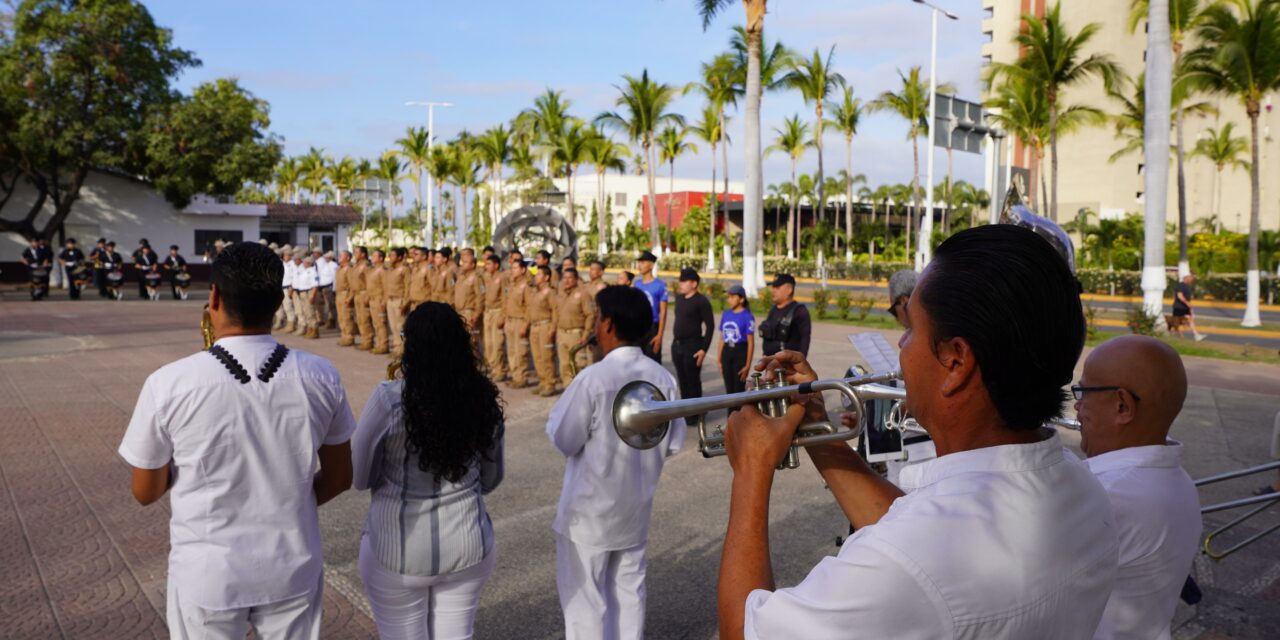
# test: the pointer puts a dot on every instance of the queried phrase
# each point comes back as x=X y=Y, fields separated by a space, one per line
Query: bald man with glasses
x=1131 y=390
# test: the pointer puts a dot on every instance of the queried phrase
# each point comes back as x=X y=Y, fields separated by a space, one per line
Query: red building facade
x=681 y=203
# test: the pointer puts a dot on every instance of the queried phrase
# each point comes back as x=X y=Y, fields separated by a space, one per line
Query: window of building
x=1141 y=166
x=988 y=12
x=619 y=199
x=206 y=237
x=986 y=61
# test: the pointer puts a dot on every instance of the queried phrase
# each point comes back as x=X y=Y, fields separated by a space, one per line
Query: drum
x=80 y=274
x=114 y=278
x=152 y=279
x=40 y=276
x=182 y=280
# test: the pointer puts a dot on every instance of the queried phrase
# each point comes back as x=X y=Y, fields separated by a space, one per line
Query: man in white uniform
x=1004 y=535
x=1131 y=390
x=286 y=319
x=602 y=523
x=306 y=283
x=250 y=437
x=326 y=298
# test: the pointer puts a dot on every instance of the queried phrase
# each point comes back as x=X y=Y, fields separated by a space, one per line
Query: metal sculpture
x=535 y=228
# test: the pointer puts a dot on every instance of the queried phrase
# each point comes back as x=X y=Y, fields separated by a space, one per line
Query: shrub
x=764 y=301
x=821 y=298
x=716 y=293
x=842 y=303
x=1139 y=322
x=865 y=304
x=1090 y=322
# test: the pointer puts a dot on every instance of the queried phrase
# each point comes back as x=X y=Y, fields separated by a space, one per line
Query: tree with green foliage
x=846 y=116
x=605 y=154
x=415 y=148
x=814 y=78
x=1239 y=56
x=78 y=81
x=1226 y=151
x=646 y=107
x=792 y=139
x=672 y=145
x=911 y=103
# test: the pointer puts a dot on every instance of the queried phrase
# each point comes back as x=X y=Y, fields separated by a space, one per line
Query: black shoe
x=1264 y=490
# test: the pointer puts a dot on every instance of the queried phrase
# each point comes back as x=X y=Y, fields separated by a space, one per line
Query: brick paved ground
x=80 y=559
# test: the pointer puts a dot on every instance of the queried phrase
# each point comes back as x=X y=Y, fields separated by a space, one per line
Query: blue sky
x=337 y=74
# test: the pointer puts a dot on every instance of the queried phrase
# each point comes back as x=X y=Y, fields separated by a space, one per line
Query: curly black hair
x=248 y=277
x=452 y=412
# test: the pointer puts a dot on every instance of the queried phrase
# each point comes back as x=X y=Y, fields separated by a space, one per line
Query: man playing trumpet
x=1004 y=535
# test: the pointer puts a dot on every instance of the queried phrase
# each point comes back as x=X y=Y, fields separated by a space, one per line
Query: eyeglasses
x=1079 y=390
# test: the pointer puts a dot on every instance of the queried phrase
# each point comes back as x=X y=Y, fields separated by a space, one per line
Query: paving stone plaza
x=80 y=559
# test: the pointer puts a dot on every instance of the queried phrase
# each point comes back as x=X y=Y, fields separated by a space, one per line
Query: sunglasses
x=1078 y=391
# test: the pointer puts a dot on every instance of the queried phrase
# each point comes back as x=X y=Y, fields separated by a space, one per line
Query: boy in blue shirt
x=656 y=291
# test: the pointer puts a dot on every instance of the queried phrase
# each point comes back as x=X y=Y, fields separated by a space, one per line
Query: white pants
x=601 y=591
x=439 y=607
x=285 y=620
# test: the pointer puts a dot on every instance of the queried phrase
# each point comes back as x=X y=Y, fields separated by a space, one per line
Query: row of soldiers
x=514 y=315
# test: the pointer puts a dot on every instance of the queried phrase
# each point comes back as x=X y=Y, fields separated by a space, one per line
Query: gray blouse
x=418 y=524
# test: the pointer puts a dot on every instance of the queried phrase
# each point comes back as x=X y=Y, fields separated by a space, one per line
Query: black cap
x=781 y=279
x=689 y=273
x=646 y=256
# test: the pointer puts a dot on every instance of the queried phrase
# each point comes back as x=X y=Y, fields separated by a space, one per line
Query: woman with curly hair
x=429 y=446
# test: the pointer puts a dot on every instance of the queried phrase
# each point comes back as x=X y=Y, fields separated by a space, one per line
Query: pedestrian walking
x=737 y=341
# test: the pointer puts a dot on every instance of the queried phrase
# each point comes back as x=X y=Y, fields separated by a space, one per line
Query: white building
x=626 y=194
x=126 y=210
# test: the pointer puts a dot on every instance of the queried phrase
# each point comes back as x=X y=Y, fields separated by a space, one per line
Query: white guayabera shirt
x=608 y=489
x=1158 y=515
x=1014 y=541
x=244 y=529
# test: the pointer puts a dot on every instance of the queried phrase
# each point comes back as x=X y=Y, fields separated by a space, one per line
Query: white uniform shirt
x=244 y=529
x=1013 y=541
x=608 y=486
x=328 y=271
x=306 y=278
x=287 y=282
x=1158 y=516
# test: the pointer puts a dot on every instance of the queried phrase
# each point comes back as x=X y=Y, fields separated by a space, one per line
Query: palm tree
x=467 y=166
x=1052 y=59
x=605 y=154
x=440 y=167
x=570 y=150
x=288 y=176
x=753 y=36
x=494 y=149
x=846 y=115
x=815 y=81
x=1224 y=150
x=313 y=166
x=792 y=139
x=1021 y=110
x=342 y=175
x=912 y=104
x=390 y=170
x=542 y=124
x=1183 y=17
x=415 y=148
x=671 y=145
x=1240 y=56
x=720 y=86
x=646 y=105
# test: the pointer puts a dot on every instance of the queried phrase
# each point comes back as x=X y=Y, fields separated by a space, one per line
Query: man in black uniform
x=174 y=264
x=143 y=259
x=99 y=259
x=71 y=257
x=113 y=261
x=788 y=325
x=695 y=326
x=37 y=256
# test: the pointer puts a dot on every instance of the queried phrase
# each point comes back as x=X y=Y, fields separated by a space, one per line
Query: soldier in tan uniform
x=495 y=292
x=541 y=305
x=517 y=325
x=395 y=286
x=565 y=265
x=442 y=278
x=575 y=318
x=595 y=271
x=344 y=301
x=358 y=284
x=419 y=279
x=542 y=262
x=468 y=296
x=375 y=283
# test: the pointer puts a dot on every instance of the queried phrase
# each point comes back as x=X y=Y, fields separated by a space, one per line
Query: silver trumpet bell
x=642 y=416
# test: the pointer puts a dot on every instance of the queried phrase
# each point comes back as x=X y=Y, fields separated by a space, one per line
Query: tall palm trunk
x=602 y=231
x=724 y=206
x=671 y=193
x=821 y=209
x=653 y=194
x=848 y=202
x=752 y=212
x=573 y=213
x=1184 y=265
x=462 y=218
x=711 y=211
x=1252 y=314
x=915 y=188
x=791 y=213
x=1053 y=154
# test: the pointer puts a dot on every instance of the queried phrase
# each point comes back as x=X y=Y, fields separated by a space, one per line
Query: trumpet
x=573 y=353
x=642 y=416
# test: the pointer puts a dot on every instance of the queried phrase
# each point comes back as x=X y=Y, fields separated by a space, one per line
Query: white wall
x=123 y=210
x=631 y=190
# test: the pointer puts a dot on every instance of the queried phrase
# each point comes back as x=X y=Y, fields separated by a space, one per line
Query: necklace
x=238 y=371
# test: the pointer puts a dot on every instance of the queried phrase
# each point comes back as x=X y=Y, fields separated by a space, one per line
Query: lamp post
x=923 y=248
x=431 y=134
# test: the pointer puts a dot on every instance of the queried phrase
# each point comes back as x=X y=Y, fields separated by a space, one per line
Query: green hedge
x=1229 y=287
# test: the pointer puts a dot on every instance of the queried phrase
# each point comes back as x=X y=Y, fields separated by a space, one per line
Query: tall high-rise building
x=1087 y=179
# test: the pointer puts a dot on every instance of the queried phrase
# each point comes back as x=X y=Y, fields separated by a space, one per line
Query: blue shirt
x=735 y=326
x=656 y=291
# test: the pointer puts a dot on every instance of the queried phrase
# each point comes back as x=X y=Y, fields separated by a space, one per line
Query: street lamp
x=431 y=134
x=923 y=248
